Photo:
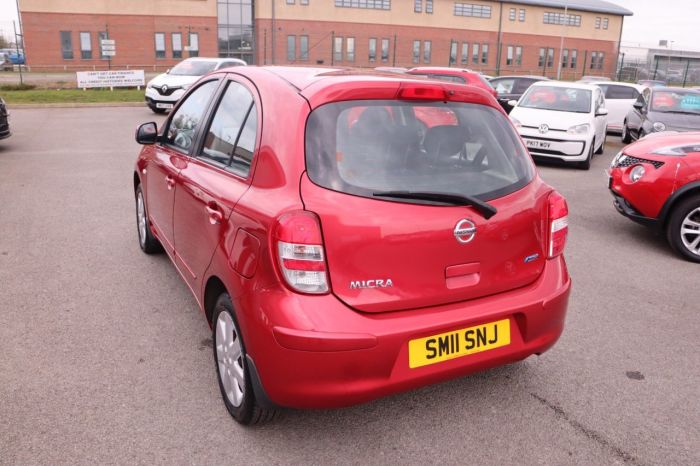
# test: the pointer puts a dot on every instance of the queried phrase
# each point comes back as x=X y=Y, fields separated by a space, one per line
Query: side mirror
x=638 y=105
x=147 y=133
x=512 y=103
x=602 y=112
x=167 y=71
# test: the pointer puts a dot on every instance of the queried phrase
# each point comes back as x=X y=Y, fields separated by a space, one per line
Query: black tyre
x=149 y=243
x=683 y=229
x=626 y=138
x=602 y=146
x=586 y=164
x=232 y=367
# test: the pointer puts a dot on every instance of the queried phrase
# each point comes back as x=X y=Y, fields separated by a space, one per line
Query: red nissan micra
x=341 y=244
x=656 y=182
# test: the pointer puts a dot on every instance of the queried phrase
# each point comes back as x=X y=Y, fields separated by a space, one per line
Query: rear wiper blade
x=484 y=208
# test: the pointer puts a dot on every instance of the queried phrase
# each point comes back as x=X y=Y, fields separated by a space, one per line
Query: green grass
x=63 y=96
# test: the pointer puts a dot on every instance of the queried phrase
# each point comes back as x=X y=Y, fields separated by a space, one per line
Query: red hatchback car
x=339 y=249
x=456 y=75
x=656 y=182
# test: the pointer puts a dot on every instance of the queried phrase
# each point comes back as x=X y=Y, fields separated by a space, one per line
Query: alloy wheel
x=141 y=218
x=229 y=356
x=690 y=231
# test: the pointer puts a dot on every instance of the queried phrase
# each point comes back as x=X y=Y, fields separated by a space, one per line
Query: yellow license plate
x=458 y=343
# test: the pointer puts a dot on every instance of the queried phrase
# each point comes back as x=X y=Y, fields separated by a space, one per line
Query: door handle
x=215 y=214
x=170 y=181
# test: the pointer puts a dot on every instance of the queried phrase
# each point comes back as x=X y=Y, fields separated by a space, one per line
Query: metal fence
x=684 y=72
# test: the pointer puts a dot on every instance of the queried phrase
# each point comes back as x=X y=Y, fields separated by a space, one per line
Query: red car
x=457 y=75
x=340 y=252
x=656 y=182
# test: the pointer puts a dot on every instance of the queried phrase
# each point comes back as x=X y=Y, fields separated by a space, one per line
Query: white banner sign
x=117 y=78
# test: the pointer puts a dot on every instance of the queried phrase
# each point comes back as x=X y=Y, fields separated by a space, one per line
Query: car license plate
x=162 y=105
x=538 y=144
x=458 y=343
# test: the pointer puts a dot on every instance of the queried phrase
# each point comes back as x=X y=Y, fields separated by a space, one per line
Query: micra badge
x=531 y=258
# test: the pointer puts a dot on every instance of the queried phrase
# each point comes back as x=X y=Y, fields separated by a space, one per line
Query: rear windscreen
x=362 y=147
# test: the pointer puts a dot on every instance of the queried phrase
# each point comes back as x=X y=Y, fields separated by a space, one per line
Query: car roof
x=523 y=76
x=216 y=59
x=639 y=87
x=576 y=85
x=673 y=89
x=441 y=69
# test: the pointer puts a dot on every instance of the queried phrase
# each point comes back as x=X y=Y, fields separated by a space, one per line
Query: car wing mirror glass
x=638 y=105
x=602 y=112
x=513 y=102
x=147 y=133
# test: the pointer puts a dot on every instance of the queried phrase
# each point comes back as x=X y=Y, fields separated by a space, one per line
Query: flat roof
x=595 y=6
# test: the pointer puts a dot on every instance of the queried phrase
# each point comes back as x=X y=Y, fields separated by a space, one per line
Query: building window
x=465 y=53
x=291 y=48
x=417 y=6
x=605 y=23
x=160 y=44
x=372 y=49
x=429 y=6
x=416 y=51
x=303 y=2
x=385 y=50
x=597 y=22
x=550 y=58
x=366 y=4
x=85 y=46
x=350 y=49
x=484 y=54
x=194 y=44
x=427 y=46
x=66 y=45
x=540 y=62
x=453 y=52
x=337 y=49
x=476 y=11
x=565 y=58
x=601 y=56
x=574 y=59
x=290 y=2
x=597 y=60
x=561 y=18
x=475 y=54
x=518 y=56
x=235 y=30
x=100 y=37
x=177 y=44
x=509 y=56
x=511 y=14
x=521 y=16
x=304 y=48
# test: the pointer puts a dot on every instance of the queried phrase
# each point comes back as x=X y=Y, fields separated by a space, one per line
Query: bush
x=17 y=87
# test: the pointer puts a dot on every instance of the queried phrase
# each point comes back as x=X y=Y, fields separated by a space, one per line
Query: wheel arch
x=137 y=180
x=674 y=199
x=212 y=290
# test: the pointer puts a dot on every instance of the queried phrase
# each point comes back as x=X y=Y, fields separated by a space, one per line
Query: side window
x=504 y=86
x=186 y=120
x=230 y=139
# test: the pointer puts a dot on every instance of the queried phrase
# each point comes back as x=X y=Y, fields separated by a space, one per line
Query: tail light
x=300 y=252
x=558 y=224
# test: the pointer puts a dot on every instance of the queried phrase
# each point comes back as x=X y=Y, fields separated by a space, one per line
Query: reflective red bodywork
x=348 y=345
x=666 y=174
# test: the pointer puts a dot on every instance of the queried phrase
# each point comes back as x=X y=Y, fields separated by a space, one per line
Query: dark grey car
x=4 y=121
x=662 y=109
x=512 y=88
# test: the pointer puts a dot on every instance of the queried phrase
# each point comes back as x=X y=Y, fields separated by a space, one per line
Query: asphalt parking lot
x=104 y=357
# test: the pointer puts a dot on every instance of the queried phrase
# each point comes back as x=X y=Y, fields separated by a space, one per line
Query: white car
x=619 y=98
x=562 y=121
x=163 y=91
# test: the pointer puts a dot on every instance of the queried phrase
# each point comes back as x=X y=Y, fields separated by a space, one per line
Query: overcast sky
x=673 y=20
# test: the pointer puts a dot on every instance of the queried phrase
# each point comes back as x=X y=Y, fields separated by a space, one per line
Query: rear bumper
x=334 y=356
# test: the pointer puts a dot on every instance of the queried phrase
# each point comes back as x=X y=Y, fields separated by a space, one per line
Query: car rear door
x=387 y=254
x=215 y=179
x=170 y=156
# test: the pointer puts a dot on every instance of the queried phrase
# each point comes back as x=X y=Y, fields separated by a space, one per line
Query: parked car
x=651 y=83
x=593 y=79
x=512 y=88
x=5 y=63
x=562 y=121
x=656 y=182
x=619 y=98
x=4 y=120
x=16 y=58
x=391 y=69
x=163 y=91
x=288 y=200
x=662 y=109
x=456 y=75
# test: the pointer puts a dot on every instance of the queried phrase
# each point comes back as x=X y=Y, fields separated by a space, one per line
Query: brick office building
x=491 y=36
